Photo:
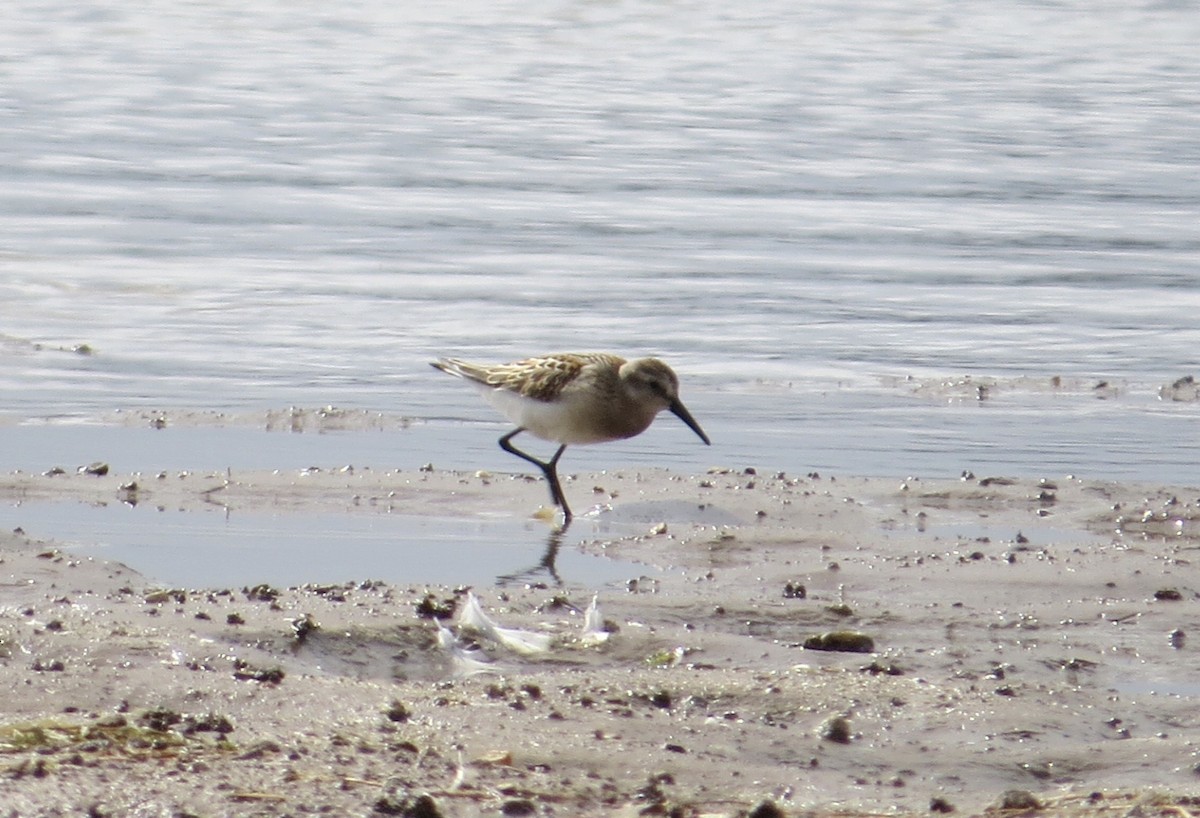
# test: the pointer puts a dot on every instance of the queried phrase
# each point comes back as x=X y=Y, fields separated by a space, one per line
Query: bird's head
x=653 y=381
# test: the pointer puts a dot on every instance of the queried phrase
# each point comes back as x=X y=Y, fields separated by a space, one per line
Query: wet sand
x=999 y=643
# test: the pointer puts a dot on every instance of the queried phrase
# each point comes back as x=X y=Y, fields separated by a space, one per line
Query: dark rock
x=842 y=641
x=1018 y=800
x=397 y=712
x=876 y=669
x=430 y=608
x=261 y=593
x=766 y=809
x=304 y=625
x=398 y=799
x=160 y=719
x=836 y=730
x=244 y=671
x=210 y=723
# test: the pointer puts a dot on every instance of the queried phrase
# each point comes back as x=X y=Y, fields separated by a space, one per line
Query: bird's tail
x=461 y=369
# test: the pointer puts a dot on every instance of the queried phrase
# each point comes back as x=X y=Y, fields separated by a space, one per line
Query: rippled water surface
x=825 y=215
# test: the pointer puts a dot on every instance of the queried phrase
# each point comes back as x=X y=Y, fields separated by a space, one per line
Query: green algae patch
x=110 y=735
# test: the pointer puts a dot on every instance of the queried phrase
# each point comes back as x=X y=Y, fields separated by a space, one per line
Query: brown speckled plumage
x=543 y=378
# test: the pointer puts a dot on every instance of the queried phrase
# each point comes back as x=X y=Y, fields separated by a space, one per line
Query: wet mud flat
x=811 y=645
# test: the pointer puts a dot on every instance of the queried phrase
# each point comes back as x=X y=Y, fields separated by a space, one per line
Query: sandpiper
x=571 y=398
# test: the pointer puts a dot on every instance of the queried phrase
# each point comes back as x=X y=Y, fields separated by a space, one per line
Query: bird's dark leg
x=549 y=469
x=555 y=487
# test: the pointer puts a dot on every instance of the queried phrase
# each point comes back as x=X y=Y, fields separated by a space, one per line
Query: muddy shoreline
x=1034 y=638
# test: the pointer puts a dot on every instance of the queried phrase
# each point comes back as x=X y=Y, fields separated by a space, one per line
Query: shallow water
x=251 y=206
x=221 y=548
x=844 y=430
x=261 y=205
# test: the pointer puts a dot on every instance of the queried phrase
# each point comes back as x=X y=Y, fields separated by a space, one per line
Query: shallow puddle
x=1158 y=687
x=219 y=548
x=1030 y=535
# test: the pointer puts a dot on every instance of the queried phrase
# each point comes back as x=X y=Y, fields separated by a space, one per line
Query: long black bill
x=680 y=411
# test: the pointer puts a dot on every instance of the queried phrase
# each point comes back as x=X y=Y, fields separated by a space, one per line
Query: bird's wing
x=546 y=377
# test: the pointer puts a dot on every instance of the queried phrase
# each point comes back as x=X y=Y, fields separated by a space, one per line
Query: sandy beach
x=926 y=538
x=814 y=645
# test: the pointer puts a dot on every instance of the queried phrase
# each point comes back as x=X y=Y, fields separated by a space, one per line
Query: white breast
x=568 y=421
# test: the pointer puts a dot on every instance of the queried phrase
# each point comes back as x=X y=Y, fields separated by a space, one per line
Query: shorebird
x=575 y=398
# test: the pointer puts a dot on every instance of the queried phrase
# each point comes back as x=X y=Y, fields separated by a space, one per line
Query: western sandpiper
x=573 y=398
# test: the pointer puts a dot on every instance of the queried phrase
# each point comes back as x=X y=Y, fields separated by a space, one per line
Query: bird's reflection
x=545 y=564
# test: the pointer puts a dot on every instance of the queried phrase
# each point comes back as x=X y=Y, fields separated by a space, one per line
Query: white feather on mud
x=466 y=661
x=594 y=632
x=526 y=643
